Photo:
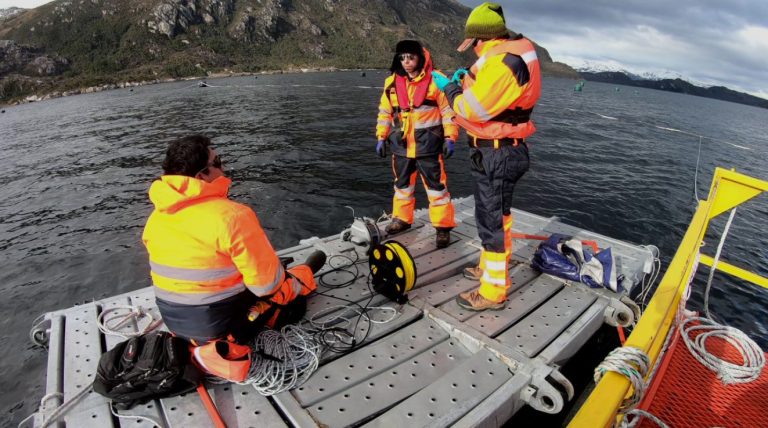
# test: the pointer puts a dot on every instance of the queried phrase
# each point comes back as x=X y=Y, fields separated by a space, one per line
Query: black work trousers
x=496 y=171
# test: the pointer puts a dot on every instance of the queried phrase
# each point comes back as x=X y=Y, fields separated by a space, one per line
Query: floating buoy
x=362 y=74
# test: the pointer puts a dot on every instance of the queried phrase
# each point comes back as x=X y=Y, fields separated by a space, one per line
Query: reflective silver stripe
x=188 y=274
x=529 y=56
x=441 y=201
x=431 y=194
x=430 y=124
x=470 y=98
x=480 y=62
x=422 y=109
x=266 y=290
x=384 y=122
x=460 y=110
x=438 y=197
x=446 y=112
x=198 y=298
x=487 y=278
x=296 y=286
x=406 y=193
x=385 y=111
x=495 y=266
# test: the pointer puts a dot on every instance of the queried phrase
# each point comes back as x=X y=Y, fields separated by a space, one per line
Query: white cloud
x=715 y=43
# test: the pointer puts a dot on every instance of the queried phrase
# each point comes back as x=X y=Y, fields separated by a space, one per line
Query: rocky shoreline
x=212 y=75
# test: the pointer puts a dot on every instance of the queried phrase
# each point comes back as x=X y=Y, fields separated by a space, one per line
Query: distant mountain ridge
x=109 y=41
x=676 y=84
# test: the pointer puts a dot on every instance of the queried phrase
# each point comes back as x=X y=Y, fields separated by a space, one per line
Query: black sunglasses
x=215 y=163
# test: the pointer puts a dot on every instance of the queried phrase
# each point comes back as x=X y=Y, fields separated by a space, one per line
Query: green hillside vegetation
x=110 y=41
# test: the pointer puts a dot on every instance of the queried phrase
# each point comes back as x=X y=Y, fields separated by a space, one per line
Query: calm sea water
x=75 y=172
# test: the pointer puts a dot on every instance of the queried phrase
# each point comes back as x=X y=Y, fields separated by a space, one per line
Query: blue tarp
x=567 y=258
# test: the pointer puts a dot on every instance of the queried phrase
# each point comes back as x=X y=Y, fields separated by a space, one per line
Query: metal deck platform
x=433 y=365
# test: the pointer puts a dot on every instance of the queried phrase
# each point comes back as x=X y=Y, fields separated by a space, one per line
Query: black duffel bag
x=143 y=368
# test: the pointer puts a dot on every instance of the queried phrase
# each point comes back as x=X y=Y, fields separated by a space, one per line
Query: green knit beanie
x=486 y=22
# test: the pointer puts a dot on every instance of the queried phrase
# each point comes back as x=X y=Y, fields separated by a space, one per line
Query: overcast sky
x=708 y=42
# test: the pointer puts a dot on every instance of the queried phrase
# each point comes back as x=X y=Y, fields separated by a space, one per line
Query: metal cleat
x=618 y=313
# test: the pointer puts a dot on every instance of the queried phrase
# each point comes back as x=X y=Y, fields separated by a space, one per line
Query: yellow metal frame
x=729 y=189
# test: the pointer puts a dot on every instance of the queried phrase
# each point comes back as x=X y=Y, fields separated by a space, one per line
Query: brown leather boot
x=473 y=301
x=397 y=226
x=442 y=237
x=473 y=273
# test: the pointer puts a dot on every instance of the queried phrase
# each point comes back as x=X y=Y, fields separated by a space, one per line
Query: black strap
x=514 y=116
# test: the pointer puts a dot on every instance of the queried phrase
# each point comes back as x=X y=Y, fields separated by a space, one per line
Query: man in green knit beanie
x=493 y=101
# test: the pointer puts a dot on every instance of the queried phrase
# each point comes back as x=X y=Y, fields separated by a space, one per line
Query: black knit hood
x=411 y=47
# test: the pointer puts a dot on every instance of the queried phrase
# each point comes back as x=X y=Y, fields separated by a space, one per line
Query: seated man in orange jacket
x=213 y=266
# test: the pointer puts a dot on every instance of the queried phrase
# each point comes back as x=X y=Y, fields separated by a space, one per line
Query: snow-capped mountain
x=634 y=74
x=8 y=12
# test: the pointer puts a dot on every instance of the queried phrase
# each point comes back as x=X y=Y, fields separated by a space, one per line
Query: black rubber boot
x=315 y=261
x=442 y=237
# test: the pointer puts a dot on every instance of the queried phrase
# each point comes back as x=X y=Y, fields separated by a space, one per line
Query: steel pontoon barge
x=434 y=364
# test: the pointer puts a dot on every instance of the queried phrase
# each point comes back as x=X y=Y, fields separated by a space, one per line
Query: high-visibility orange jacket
x=500 y=91
x=419 y=130
x=204 y=248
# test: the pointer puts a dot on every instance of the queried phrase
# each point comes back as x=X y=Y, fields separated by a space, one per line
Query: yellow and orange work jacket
x=500 y=90
x=415 y=128
x=204 y=248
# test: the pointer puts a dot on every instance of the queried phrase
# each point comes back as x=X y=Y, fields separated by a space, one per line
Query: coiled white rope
x=111 y=322
x=137 y=418
x=630 y=362
x=282 y=360
x=639 y=415
x=752 y=356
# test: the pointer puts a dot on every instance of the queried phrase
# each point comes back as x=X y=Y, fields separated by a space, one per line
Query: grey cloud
x=700 y=38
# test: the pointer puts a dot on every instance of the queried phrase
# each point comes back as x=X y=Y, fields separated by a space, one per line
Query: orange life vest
x=515 y=121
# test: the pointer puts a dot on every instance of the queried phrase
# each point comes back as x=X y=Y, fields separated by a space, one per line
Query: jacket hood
x=173 y=192
x=425 y=58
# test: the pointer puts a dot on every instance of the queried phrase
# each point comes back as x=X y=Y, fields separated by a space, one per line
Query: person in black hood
x=416 y=123
x=408 y=47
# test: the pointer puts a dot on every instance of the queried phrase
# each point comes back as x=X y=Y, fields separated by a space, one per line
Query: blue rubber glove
x=440 y=80
x=381 y=149
x=448 y=148
x=458 y=75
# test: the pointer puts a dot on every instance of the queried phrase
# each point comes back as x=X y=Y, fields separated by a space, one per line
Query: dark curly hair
x=186 y=156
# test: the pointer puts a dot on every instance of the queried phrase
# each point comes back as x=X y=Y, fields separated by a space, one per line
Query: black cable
x=347 y=339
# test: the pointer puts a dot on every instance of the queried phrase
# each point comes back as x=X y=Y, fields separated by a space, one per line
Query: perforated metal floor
x=434 y=364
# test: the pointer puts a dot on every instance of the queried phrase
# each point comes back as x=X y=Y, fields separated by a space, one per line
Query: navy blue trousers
x=496 y=171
